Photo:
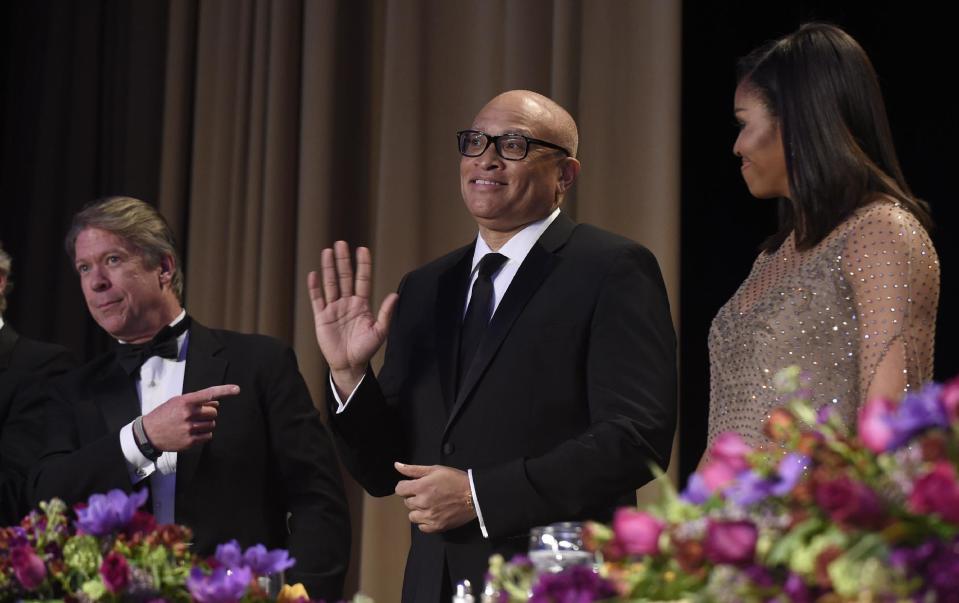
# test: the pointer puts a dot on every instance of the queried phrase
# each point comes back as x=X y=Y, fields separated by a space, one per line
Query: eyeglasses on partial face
x=514 y=147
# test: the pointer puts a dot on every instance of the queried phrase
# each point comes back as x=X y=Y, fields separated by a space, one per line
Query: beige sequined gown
x=863 y=297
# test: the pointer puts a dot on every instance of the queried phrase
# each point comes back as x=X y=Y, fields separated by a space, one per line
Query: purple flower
x=790 y=471
x=520 y=560
x=229 y=554
x=115 y=572
x=264 y=562
x=27 y=566
x=696 y=491
x=106 y=513
x=577 y=584
x=797 y=590
x=919 y=411
x=224 y=585
x=824 y=414
x=749 y=488
x=937 y=563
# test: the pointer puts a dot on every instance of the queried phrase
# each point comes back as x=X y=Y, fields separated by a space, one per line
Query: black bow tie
x=131 y=357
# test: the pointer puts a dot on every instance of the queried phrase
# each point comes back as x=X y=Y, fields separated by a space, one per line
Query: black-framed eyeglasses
x=514 y=147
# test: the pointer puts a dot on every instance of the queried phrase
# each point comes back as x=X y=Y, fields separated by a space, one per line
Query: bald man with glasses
x=529 y=376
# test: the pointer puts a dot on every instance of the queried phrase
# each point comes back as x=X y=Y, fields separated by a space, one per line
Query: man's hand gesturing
x=187 y=420
x=346 y=330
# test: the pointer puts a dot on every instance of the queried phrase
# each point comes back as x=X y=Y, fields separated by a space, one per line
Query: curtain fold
x=293 y=123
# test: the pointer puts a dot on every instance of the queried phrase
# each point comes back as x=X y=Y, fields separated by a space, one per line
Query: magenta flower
x=850 y=503
x=28 y=567
x=717 y=475
x=875 y=424
x=730 y=542
x=264 y=562
x=949 y=397
x=937 y=492
x=106 y=513
x=115 y=572
x=224 y=585
x=731 y=450
x=577 y=584
x=637 y=533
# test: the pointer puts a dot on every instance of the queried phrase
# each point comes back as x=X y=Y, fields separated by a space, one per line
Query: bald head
x=506 y=193
x=549 y=120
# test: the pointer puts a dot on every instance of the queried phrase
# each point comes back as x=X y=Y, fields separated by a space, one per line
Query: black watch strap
x=143 y=442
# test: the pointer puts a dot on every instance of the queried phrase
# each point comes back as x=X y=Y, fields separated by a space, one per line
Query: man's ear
x=167 y=267
x=568 y=171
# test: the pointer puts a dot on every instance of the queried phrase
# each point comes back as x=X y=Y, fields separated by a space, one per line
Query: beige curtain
x=292 y=123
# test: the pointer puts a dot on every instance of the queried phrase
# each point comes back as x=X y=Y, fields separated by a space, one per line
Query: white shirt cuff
x=340 y=405
x=479 y=514
x=139 y=466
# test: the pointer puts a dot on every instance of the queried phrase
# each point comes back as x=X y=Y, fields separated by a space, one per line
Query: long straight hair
x=821 y=87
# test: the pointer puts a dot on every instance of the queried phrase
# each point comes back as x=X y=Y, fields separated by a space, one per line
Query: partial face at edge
x=760 y=145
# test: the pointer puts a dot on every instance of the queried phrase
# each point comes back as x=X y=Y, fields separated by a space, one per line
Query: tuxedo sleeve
x=630 y=393
x=369 y=432
x=68 y=468
x=319 y=522
x=20 y=437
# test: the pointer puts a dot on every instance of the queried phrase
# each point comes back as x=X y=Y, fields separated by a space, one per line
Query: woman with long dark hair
x=847 y=287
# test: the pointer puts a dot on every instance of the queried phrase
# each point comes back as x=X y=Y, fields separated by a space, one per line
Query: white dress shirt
x=160 y=380
x=515 y=250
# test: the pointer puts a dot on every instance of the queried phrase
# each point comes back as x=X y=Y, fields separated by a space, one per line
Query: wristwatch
x=143 y=442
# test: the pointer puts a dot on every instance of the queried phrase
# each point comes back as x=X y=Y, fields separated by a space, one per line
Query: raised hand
x=346 y=330
x=187 y=420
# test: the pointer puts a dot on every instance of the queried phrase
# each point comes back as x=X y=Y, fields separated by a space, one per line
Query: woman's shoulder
x=884 y=214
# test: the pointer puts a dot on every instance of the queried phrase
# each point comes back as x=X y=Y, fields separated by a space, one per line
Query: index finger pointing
x=212 y=393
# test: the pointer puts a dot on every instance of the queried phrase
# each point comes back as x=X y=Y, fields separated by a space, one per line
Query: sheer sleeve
x=893 y=273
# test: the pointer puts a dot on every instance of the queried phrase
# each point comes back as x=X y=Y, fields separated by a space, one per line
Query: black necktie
x=478 y=312
x=131 y=357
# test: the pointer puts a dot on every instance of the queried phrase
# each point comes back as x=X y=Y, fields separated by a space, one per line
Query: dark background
x=81 y=117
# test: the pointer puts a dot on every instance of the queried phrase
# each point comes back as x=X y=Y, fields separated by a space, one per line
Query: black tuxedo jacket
x=570 y=398
x=25 y=365
x=270 y=454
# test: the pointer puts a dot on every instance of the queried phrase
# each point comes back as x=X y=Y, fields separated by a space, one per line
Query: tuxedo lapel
x=450 y=302
x=203 y=370
x=116 y=396
x=535 y=268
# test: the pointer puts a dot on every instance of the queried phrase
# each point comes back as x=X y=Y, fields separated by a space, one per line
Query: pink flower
x=27 y=566
x=717 y=475
x=937 y=492
x=849 y=502
x=637 y=532
x=875 y=428
x=731 y=542
x=730 y=450
x=950 y=399
x=115 y=572
x=727 y=459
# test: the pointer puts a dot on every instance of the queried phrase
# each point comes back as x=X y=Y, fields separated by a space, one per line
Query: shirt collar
x=517 y=248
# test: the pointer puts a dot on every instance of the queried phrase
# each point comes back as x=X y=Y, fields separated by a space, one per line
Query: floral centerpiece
x=109 y=550
x=829 y=512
